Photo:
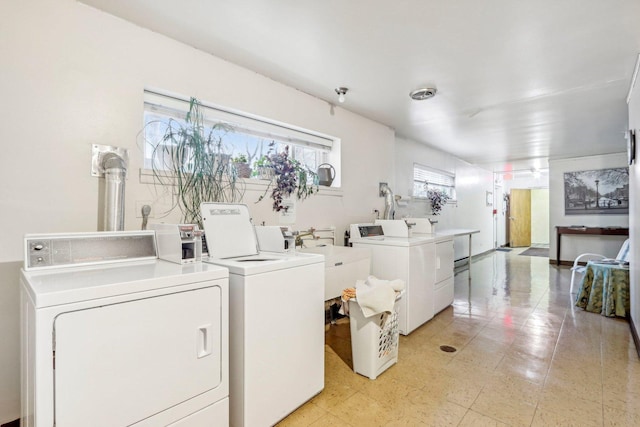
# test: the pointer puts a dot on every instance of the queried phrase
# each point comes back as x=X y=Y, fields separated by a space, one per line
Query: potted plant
x=242 y=166
x=438 y=199
x=262 y=168
x=190 y=158
x=291 y=178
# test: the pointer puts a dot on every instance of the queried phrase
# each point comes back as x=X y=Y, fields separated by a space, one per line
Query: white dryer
x=111 y=336
x=443 y=291
x=276 y=319
x=411 y=259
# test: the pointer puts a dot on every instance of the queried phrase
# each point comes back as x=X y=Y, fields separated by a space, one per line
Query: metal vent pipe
x=389 y=203
x=115 y=172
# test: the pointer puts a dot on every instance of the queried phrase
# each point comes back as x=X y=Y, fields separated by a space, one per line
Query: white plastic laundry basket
x=374 y=340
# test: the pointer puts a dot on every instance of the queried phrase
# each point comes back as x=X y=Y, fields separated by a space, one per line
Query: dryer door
x=120 y=363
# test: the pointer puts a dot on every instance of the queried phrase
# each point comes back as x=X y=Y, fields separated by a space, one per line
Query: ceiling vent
x=423 y=93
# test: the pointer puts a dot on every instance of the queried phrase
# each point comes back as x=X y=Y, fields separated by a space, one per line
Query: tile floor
x=526 y=357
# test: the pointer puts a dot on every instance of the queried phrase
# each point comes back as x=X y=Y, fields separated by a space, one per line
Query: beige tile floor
x=525 y=357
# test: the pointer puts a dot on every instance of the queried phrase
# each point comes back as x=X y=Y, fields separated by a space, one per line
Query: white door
x=120 y=363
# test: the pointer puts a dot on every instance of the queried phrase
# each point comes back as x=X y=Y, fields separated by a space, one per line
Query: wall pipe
x=389 y=202
x=115 y=172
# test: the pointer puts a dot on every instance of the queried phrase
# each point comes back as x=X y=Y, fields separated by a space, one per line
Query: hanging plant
x=190 y=158
x=438 y=199
x=290 y=177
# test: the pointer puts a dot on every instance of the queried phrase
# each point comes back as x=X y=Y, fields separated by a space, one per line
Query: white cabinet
x=443 y=287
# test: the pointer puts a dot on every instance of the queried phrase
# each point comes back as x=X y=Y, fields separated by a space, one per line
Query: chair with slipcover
x=623 y=256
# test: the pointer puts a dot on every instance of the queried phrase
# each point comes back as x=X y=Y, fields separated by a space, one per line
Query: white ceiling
x=516 y=80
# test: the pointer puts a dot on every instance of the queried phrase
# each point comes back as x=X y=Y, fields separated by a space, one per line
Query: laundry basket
x=374 y=340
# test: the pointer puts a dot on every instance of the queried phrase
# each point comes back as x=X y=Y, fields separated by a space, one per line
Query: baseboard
x=14 y=423
x=569 y=263
x=465 y=260
x=634 y=334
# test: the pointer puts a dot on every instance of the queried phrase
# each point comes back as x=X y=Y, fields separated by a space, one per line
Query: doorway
x=520 y=218
x=527 y=222
x=532 y=228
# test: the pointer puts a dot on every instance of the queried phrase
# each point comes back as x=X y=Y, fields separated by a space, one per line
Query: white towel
x=375 y=296
x=397 y=284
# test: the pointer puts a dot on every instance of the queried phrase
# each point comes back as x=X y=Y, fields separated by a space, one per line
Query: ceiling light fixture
x=341 y=91
x=423 y=93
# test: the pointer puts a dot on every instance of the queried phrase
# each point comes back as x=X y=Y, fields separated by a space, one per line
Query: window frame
x=327 y=147
x=441 y=180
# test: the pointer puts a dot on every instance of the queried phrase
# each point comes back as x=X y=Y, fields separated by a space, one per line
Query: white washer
x=131 y=341
x=411 y=259
x=276 y=322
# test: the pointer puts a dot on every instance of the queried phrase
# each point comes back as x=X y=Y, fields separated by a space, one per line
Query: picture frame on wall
x=631 y=146
x=597 y=192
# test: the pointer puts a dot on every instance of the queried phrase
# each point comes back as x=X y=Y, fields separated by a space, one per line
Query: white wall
x=10 y=336
x=539 y=217
x=523 y=179
x=72 y=76
x=572 y=245
x=472 y=183
x=634 y=209
x=78 y=80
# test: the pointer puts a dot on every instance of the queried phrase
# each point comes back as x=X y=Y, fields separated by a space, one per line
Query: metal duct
x=115 y=172
x=389 y=202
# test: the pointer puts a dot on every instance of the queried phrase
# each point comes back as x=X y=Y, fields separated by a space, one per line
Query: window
x=240 y=133
x=426 y=178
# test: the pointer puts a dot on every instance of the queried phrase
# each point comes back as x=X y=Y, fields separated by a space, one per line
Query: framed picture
x=631 y=146
x=597 y=192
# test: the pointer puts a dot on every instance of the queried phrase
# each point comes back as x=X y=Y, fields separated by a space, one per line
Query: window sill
x=147 y=177
x=426 y=199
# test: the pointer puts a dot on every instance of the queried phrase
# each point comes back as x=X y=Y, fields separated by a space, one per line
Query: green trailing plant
x=262 y=161
x=241 y=158
x=262 y=168
x=190 y=158
x=290 y=178
x=438 y=199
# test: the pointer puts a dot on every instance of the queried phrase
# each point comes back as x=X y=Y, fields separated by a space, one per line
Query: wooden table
x=586 y=231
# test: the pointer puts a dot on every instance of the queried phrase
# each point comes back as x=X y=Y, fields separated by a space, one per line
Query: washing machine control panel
x=64 y=250
x=370 y=230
